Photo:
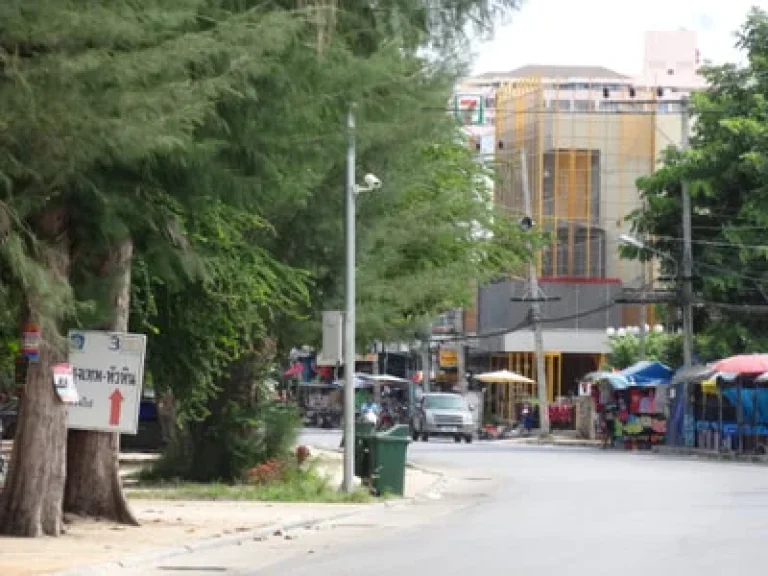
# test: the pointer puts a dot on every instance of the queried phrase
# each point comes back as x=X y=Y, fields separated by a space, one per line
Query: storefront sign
x=449 y=359
x=469 y=109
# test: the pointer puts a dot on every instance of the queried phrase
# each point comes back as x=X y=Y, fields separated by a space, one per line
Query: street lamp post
x=351 y=192
x=349 y=316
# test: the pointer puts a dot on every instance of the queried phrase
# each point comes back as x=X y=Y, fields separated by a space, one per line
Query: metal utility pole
x=687 y=287
x=461 y=359
x=643 y=313
x=538 y=338
x=349 y=316
x=426 y=365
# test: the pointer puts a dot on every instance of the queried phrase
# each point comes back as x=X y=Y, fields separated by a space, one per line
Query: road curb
x=712 y=456
x=539 y=442
x=145 y=558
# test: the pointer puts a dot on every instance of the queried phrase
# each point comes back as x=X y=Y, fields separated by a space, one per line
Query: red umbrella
x=743 y=364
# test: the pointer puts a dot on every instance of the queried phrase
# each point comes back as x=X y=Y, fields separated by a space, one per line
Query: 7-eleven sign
x=469 y=109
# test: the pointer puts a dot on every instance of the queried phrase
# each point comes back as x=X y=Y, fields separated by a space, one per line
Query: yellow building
x=582 y=136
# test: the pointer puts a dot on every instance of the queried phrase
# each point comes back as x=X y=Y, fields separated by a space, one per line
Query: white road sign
x=109 y=373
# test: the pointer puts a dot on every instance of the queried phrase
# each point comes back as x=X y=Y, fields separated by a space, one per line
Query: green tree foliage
x=101 y=104
x=200 y=327
x=662 y=347
x=433 y=233
x=209 y=134
x=281 y=155
x=726 y=168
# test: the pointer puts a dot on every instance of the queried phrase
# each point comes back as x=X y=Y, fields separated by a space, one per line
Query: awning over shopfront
x=648 y=373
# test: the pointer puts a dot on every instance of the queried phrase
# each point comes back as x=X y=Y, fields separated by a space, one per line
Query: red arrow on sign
x=115 y=403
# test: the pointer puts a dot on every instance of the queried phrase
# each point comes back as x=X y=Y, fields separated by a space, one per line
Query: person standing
x=610 y=426
x=527 y=420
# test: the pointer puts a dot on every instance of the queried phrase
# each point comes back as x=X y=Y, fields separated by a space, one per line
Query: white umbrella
x=503 y=377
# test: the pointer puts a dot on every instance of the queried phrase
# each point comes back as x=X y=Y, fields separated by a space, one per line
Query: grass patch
x=297 y=486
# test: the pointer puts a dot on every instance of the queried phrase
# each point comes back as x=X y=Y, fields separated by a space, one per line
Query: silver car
x=439 y=414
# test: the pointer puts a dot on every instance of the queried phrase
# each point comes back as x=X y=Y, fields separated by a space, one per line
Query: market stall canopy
x=615 y=379
x=648 y=373
x=361 y=381
x=503 y=377
x=743 y=364
x=694 y=373
x=318 y=385
x=387 y=378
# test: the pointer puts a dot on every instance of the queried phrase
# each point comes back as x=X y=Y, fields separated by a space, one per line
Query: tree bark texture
x=94 y=487
x=31 y=503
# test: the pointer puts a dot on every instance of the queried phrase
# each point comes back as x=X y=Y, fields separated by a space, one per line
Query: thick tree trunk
x=32 y=500
x=93 y=485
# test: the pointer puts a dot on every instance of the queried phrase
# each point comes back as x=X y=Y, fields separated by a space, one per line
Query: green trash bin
x=363 y=435
x=389 y=452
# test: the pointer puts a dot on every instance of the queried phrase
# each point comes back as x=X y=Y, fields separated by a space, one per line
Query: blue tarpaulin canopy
x=748 y=397
x=648 y=373
x=616 y=380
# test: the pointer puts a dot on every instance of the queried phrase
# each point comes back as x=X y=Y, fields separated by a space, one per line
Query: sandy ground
x=163 y=525
x=167 y=524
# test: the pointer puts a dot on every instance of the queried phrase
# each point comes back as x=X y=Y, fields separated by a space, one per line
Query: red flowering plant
x=266 y=473
x=302 y=454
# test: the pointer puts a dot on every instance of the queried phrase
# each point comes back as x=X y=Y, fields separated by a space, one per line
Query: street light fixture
x=640 y=245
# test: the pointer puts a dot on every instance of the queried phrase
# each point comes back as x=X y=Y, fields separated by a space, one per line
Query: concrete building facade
x=583 y=136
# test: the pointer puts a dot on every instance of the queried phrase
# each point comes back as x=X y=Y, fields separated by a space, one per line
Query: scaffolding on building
x=584 y=153
x=585 y=143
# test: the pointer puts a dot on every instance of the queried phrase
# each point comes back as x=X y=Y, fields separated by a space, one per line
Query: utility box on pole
x=332 y=353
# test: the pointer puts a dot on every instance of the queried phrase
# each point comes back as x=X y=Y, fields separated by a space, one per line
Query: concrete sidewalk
x=171 y=528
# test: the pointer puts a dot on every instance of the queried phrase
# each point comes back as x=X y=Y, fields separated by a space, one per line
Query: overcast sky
x=609 y=32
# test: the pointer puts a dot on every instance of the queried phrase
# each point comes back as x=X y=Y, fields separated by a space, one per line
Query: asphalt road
x=553 y=511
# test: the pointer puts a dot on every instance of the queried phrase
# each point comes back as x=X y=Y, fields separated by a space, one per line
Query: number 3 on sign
x=114 y=343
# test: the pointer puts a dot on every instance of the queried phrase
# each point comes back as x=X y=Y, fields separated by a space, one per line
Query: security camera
x=372 y=181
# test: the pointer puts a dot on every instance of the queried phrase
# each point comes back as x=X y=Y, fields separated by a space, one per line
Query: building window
x=583 y=105
x=562 y=105
x=630 y=107
x=609 y=106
